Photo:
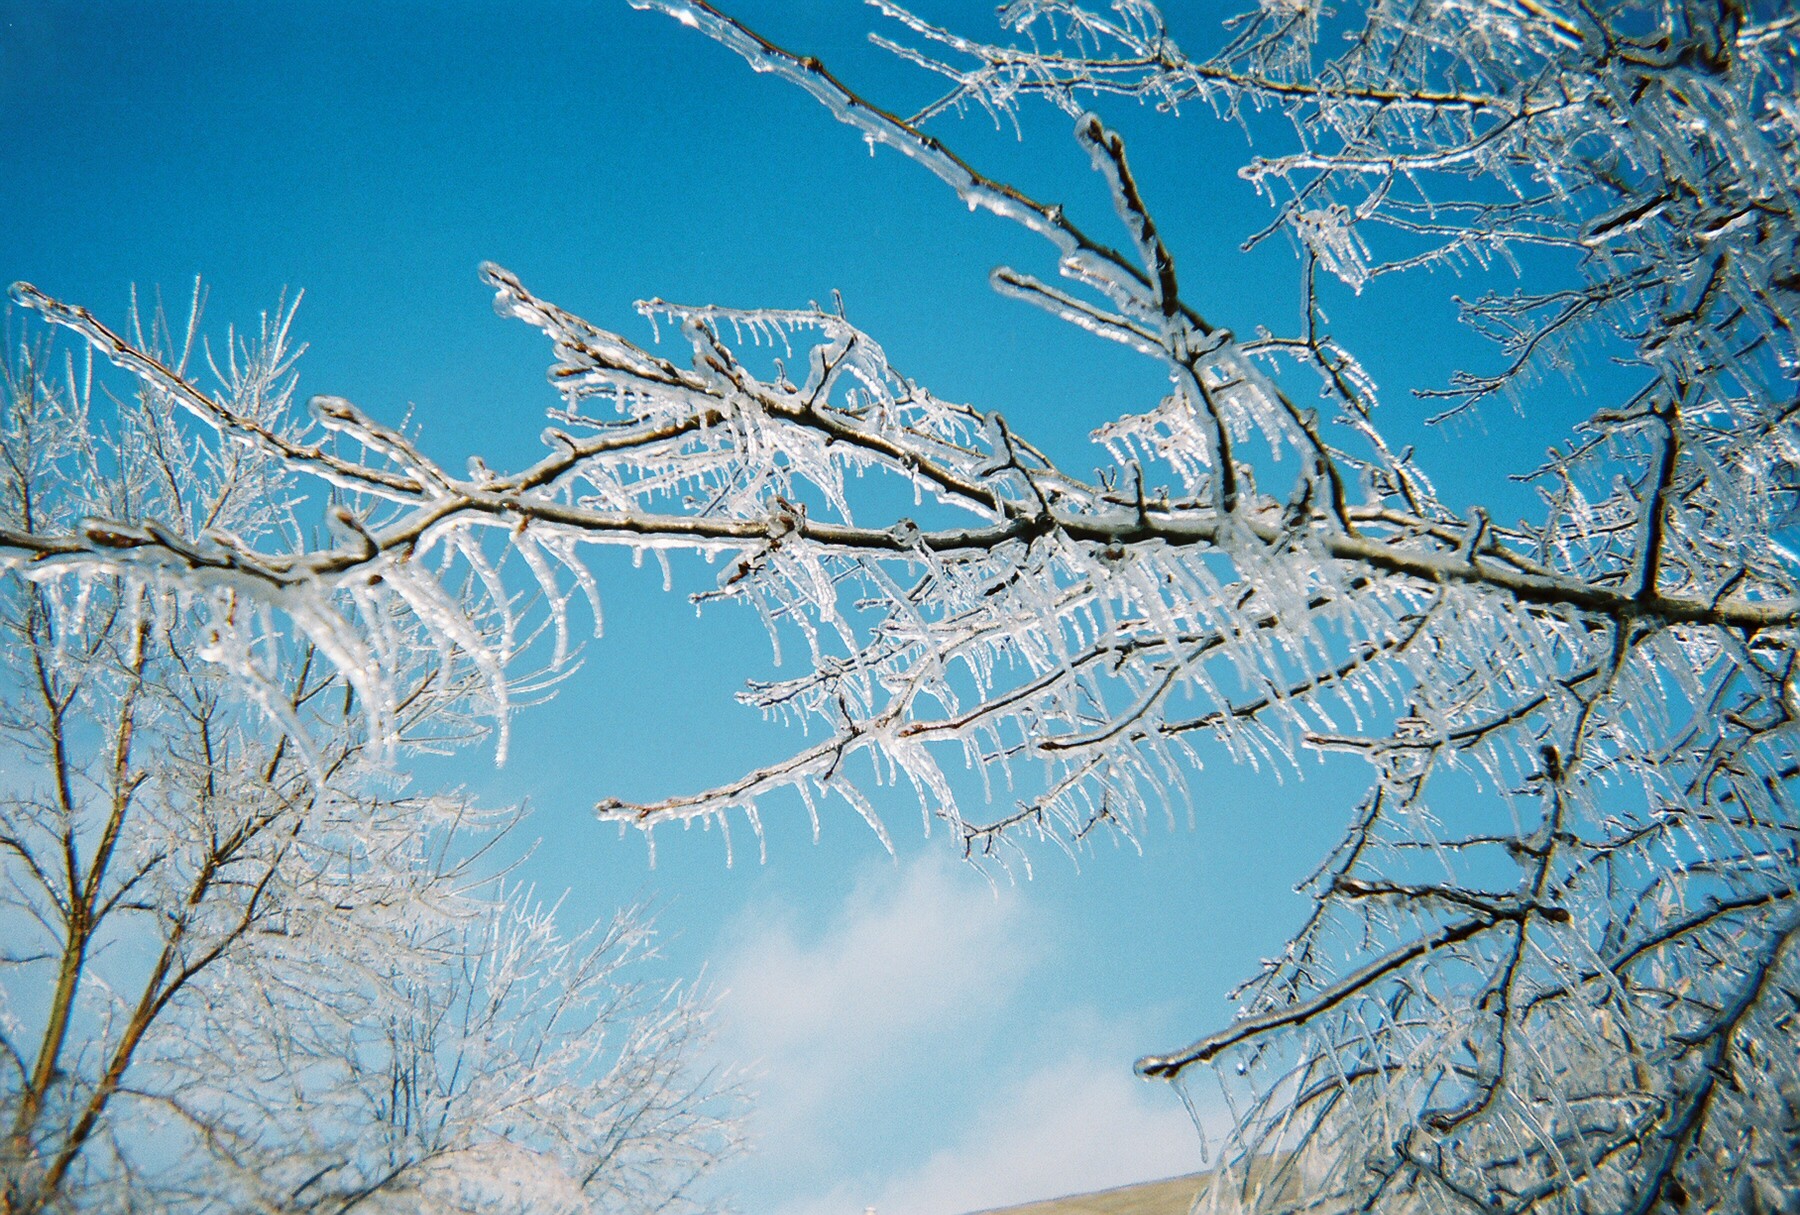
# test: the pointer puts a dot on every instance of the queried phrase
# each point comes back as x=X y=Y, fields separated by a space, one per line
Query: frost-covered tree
x=1552 y=965
x=250 y=969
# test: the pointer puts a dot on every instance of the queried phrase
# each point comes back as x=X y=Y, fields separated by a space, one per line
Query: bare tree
x=1551 y=967
x=247 y=968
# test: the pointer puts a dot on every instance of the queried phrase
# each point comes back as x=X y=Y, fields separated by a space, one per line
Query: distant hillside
x=1170 y=1197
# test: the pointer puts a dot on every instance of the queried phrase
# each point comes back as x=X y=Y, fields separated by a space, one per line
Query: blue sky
x=922 y=1043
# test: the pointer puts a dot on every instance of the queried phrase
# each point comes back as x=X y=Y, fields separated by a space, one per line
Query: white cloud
x=1070 y=1128
x=915 y=953
x=929 y=1052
